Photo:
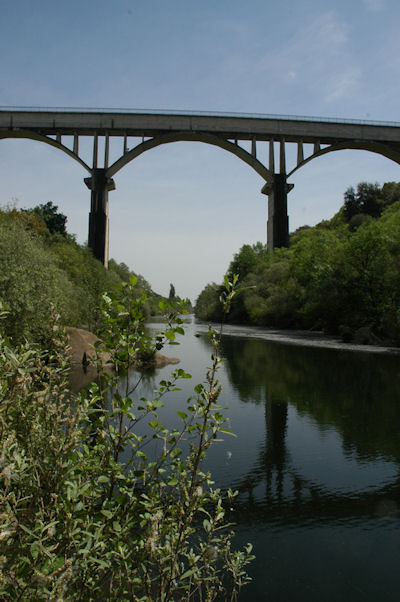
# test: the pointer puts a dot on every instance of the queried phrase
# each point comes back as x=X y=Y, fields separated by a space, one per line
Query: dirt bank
x=81 y=342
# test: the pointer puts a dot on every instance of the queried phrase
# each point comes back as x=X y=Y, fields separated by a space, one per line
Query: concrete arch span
x=28 y=135
x=215 y=140
x=385 y=150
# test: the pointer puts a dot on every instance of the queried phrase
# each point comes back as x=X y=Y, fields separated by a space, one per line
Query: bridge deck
x=87 y=123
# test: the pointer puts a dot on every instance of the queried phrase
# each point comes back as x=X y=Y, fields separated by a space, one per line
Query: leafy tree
x=250 y=259
x=390 y=193
x=338 y=276
x=120 y=269
x=207 y=305
x=48 y=213
x=367 y=200
x=351 y=205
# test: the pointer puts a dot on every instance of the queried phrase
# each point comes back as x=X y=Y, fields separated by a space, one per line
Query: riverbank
x=303 y=338
x=81 y=343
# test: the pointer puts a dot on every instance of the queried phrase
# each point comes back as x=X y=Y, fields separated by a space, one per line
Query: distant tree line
x=339 y=276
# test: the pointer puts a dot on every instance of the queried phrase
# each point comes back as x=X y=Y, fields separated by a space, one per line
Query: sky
x=181 y=210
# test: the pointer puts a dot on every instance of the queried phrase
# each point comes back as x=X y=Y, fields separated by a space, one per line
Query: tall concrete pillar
x=278 y=221
x=100 y=185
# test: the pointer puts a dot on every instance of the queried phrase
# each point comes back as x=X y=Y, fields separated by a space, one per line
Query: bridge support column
x=100 y=185
x=278 y=221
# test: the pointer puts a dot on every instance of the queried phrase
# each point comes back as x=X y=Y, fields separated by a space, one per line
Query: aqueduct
x=144 y=130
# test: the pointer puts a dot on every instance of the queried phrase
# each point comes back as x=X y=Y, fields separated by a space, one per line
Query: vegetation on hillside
x=339 y=276
x=43 y=269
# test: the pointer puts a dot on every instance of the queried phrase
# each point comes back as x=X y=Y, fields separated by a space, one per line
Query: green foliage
x=338 y=276
x=48 y=214
x=250 y=260
x=92 y=508
x=88 y=278
x=40 y=270
x=31 y=284
x=207 y=304
x=369 y=199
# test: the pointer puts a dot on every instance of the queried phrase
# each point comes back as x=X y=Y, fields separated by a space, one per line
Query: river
x=316 y=460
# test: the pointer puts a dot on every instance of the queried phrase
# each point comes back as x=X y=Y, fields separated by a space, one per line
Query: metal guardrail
x=202 y=113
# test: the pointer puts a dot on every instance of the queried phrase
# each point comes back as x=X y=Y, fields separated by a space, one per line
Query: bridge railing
x=201 y=113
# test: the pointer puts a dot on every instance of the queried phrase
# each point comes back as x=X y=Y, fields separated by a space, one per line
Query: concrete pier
x=278 y=220
x=100 y=185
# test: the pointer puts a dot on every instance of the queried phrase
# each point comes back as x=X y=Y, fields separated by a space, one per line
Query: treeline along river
x=316 y=461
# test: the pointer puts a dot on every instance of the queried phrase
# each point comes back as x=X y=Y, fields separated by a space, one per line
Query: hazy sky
x=180 y=211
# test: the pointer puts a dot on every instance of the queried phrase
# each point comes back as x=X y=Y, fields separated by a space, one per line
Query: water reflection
x=316 y=461
x=357 y=394
x=328 y=469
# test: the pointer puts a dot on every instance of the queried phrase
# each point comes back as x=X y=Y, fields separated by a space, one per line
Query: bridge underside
x=243 y=136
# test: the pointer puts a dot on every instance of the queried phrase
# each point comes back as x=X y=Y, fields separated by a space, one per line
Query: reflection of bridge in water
x=308 y=500
x=140 y=131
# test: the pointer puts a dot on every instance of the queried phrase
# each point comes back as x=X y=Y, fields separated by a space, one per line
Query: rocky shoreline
x=81 y=351
x=306 y=338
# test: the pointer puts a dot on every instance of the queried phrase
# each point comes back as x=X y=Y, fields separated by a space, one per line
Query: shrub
x=30 y=284
x=85 y=513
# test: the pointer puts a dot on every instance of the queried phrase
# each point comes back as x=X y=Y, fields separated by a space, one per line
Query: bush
x=40 y=269
x=85 y=514
x=31 y=284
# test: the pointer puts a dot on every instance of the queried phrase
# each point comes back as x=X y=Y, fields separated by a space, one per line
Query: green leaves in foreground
x=94 y=507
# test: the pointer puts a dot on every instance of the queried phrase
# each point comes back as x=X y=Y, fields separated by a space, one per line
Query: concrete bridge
x=252 y=138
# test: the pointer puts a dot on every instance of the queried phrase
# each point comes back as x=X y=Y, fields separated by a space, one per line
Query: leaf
x=27 y=530
x=188 y=573
x=227 y=283
x=227 y=432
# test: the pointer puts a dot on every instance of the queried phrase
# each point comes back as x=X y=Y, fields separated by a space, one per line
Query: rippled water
x=316 y=462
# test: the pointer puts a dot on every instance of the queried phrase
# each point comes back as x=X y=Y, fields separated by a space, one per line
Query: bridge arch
x=31 y=135
x=225 y=131
x=378 y=148
x=207 y=138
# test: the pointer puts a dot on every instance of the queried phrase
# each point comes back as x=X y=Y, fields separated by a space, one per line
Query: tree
x=367 y=200
x=171 y=292
x=250 y=259
x=351 y=204
x=207 y=305
x=49 y=215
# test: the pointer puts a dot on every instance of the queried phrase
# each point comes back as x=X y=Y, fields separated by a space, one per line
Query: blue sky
x=180 y=211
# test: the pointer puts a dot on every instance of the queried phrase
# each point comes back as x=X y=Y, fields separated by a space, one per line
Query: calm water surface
x=316 y=462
